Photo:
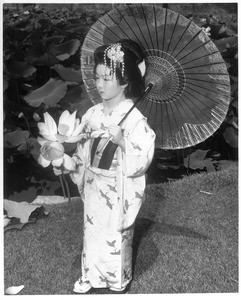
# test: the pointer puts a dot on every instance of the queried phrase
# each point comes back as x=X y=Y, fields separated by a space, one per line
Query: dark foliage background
x=41 y=72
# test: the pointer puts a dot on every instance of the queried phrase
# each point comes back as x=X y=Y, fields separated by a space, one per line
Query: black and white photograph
x=120 y=149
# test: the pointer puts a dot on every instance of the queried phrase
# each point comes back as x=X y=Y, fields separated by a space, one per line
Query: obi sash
x=107 y=155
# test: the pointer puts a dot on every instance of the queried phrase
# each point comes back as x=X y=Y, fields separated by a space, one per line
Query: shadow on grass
x=170 y=229
x=77 y=262
x=145 y=251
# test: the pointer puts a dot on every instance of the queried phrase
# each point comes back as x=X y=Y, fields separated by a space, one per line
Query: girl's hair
x=133 y=56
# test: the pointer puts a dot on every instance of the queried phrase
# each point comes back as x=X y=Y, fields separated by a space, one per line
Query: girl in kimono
x=112 y=183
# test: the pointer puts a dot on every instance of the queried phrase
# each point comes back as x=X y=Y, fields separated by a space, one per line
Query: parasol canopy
x=191 y=87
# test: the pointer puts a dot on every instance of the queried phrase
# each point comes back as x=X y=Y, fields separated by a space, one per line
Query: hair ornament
x=142 y=67
x=116 y=56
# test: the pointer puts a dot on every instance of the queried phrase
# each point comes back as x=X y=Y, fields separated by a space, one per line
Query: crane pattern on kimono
x=89 y=220
x=112 y=245
x=107 y=281
x=138 y=171
x=116 y=252
x=111 y=274
x=126 y=206
x=112 y=188
x=111 y=113
x=90 y=180
x=108 y=203
x=136 y=146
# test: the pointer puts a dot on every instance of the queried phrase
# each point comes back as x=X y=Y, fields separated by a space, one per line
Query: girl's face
x=108 y=86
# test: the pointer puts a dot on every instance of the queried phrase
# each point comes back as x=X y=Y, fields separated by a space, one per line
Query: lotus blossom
x=53 y=152
x=69 y=129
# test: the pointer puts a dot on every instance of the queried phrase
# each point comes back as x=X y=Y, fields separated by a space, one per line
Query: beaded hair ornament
x=116 y=56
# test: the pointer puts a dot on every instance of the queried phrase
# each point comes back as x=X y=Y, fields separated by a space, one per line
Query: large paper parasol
x=191 y=88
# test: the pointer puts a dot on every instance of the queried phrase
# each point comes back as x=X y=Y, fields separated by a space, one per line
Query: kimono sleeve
x=82 y=158
x=139 y=149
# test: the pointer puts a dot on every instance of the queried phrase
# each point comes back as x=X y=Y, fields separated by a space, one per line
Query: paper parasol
x=191 y=87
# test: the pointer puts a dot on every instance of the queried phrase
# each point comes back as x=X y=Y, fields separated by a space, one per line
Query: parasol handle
x=148 y=88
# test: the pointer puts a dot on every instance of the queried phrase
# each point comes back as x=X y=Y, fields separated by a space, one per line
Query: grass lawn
x=186 y=241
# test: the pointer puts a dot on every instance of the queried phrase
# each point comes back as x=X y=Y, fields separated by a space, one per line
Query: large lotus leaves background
x=191 y=89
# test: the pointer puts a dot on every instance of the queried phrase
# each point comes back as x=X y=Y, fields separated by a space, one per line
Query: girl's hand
x=57 y=171
x=116 y=132
x=60 y=171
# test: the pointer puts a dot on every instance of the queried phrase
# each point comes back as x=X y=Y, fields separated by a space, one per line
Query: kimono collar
x=122 y=107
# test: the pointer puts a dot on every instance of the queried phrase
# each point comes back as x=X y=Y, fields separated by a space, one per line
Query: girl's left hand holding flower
x=59 y=171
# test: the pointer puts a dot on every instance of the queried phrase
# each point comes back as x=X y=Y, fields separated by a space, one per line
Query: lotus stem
x=67 y=186
x=62 y=184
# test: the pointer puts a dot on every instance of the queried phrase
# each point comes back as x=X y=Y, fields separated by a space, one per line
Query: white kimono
x=112 y=198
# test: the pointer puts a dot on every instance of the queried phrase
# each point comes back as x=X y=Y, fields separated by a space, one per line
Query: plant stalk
x=62 y=184
x=67 y=186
